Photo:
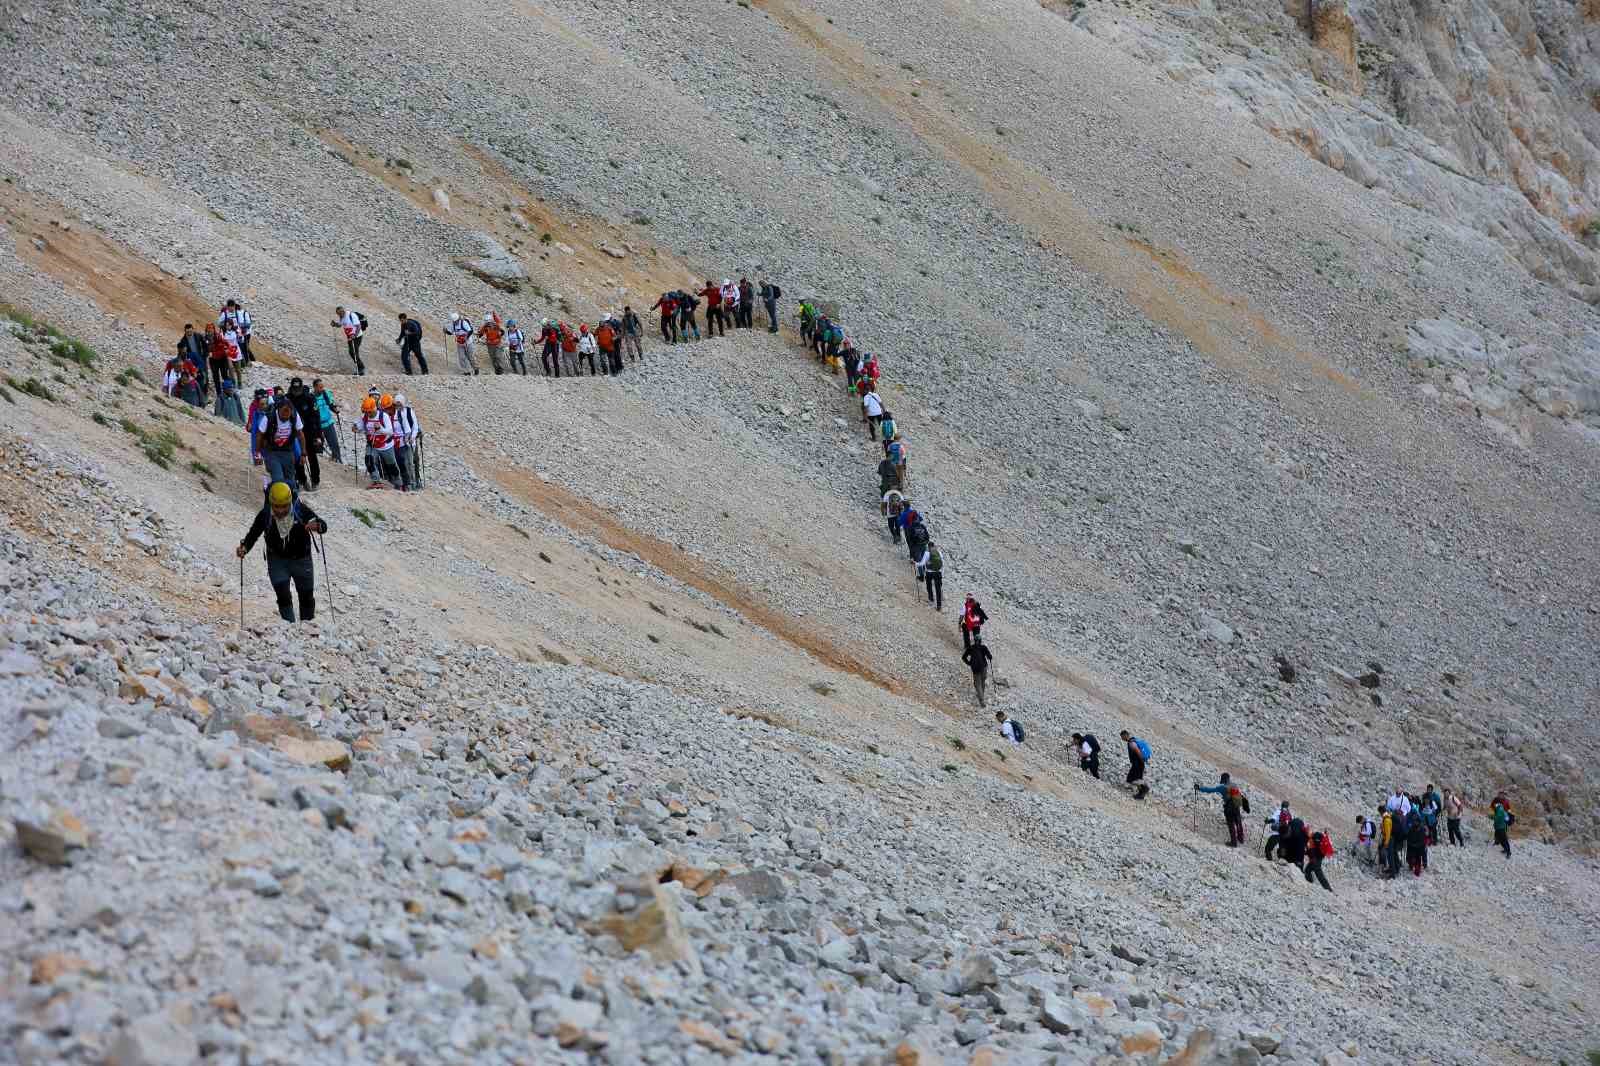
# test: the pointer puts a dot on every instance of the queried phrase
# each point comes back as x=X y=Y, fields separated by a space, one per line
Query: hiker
x=410 y=342
x=730 y=301
x=714 y=319
x=1416 y=843
x=305 y=406
x=378 y=428
x=747 y=304
x=1087 y=747
x=402 y=450
x=1138 y=757
x=354 y=326
x=687 y=302
x=1502 y=825
x=287 y=525
x=586 y=348
x=1387 y=836
x=1235 y=804
x=770 y=295
x=461 y=329
x=897 y=452
x=972 y=620
x=1009 y=729
x=669 y=317
x=188 y=388
x=236 y=320
x=930 y=568
x=408 y=435
x=916 y=541
x=516 y=347
x=1292 y=843
x=1452 y=817
x=493 y=336
x=228 y=402
x=632 y=331
x=1399 y=803
x=569 y=349
x=1430 y=816
x=275 y=435
x=1320 y=847
x=1277 y=829
x=550 y=348
x=888 y=478
x=852 y=368
x=978 y=658
x=893 y=505
x=887 y=429
x=192 y=347
x=871 y=412
x=607 y=340
x=808 y=322
x=216 y=356
x=1366 y=833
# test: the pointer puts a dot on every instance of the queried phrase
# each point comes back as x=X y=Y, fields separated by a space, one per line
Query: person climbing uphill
x=931 y=567
x=410 y=342
x=972 y=620
x=327 y=418
x=1138 y=758
x=461 y=330
x=1235 y=805
x=276 y=435
x=1087 y=747
x=287 y=525
x=379 y=431
x=516 y=347
x=354 y=326
x=715 y=326
x=586 y=349
x=977 y=657
x=493 y=336
x=1009 y=728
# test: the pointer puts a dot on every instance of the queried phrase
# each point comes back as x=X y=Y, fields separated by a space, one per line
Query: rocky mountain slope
x=1180 y=399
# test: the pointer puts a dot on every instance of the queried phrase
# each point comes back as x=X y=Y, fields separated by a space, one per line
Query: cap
x=278 y=494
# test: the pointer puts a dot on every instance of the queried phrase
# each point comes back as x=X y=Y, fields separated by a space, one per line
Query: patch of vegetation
x=158 y=447
x=32 y=387
x=1125 y=227
x=73 y=351
x=518 y=529
x=5 y=394
x=200 y=468
x=1593 y=230
x=128 y=375
x=874 y=749
x=822 y=688
x=1000 y=753
x=957 y=743
x=950 y=768
x=368 y=518
x=545 y=238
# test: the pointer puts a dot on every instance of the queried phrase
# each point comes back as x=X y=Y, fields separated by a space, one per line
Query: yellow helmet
x=279 y=495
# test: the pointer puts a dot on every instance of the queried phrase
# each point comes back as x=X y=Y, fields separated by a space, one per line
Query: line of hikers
x=729 y=305
x=210 y=363
x=563 y=348
x=290 y=428
x=1404 y=821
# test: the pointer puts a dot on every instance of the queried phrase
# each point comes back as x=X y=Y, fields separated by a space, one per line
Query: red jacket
x=713 y=296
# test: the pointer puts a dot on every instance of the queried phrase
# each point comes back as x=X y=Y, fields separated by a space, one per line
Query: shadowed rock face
x=1486 y=113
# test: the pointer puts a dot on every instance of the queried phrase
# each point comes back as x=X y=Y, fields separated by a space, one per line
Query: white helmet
x=455 y=316
x=726 y=282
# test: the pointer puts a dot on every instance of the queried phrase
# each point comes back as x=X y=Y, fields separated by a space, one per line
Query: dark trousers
x=1091 y=765
x=354 y=345
x=669 y=328
x=579 y=364
x=1235 y=829
x=1454 y=826
x=517 y=362
x=219 y=370
x=772 y=313
x=1272 y=842
x=1504 y=841
x=936 y=588
x=894 y=529
x=412 y=346
x=686 y=324
x=551 y=358
x=281 y=572
x=310 y=460
x=715 y=322
x=616 y=359
x=245 y=354
x=1314 y=869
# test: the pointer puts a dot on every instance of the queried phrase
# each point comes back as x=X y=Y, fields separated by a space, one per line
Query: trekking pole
x=327 y=575
x=241 y=592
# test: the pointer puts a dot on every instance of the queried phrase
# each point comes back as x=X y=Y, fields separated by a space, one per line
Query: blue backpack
x=1144 y=749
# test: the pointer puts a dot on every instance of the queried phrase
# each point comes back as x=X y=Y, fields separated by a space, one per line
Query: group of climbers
x=564 y=348
x=291 y=428
x=729 y=305
x=208 y=364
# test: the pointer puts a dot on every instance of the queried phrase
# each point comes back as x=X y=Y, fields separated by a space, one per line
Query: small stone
x=1128 y=956
x=117 y=729
x=656 y=928
x=258 y=881
x=56 y=838
x=1216 y=630
x=154 y=1040
x=46 y=968
x=328 y=753
x=1142 y=1038
x=707 y=1036
x=1062 y=1016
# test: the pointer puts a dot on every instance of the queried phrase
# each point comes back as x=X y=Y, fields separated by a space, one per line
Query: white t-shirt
x=1009 y=731
x=872 y=405
x=281 y=440
x=462 y=329
x=350 y=324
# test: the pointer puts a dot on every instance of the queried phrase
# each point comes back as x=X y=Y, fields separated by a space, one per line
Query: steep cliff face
x=1484 y=113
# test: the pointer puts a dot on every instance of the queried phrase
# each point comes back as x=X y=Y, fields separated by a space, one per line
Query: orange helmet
x=386 y=401
x=369 y=406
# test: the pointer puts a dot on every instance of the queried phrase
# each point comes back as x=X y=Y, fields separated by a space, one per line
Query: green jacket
x=1501 y=818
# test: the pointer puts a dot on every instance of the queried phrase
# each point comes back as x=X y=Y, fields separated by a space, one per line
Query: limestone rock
x=55 y=836
x=656 y=928
x=154 y=1040
x=328 y=753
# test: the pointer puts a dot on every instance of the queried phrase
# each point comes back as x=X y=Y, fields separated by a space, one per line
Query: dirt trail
x=119 y=280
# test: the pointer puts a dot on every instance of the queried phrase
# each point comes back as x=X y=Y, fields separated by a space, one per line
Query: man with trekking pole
x=287 y=524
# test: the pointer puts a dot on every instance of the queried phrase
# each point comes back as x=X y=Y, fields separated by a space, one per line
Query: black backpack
x=1094 y=745
x=363 y=320
x=918 y=534
x=1016 y=728
x=777 y=293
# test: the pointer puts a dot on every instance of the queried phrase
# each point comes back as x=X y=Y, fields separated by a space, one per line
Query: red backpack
x=1327 y=845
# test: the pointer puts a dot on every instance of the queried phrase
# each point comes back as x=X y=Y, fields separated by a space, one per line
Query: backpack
x=1144 y=749
x=1094 y=744
x=1326 y=851
x=361 y=318
x=1016 y=728
x=935 y=561
x=918 y=533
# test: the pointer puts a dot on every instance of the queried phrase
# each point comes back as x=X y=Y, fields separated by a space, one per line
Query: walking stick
x=327 y=575
x=241 y=592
